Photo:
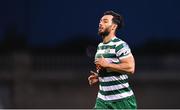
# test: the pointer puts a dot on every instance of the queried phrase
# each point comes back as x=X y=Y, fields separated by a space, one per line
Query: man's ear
x=114 y=26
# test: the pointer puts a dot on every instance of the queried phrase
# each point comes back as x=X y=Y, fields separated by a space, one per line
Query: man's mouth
x=100 y=28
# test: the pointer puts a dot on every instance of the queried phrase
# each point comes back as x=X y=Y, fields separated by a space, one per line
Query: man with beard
x=114 y=62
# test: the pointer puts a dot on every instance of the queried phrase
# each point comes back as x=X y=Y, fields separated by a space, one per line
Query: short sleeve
x=122 y=50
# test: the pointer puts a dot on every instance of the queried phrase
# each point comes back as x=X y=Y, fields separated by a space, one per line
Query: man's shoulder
x=116 y=39
x=100 y=44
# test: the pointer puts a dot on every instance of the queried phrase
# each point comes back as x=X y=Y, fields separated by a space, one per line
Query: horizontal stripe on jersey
x=115 y=91
x=113 y=87
x=109 y=51
x=115 y=96
x=111 y=83
x=106 y=47
x=118 y=47
x=105 y=55
x=113 y=78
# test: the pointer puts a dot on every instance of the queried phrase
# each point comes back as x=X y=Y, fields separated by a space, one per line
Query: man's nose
x=100 y=24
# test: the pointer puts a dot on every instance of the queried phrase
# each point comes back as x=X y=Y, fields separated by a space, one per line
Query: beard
x=104 y=33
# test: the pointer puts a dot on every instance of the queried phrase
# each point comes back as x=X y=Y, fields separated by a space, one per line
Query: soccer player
x=114 y=62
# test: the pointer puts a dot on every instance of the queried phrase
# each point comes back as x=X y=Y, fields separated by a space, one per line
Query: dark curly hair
x=117 y=18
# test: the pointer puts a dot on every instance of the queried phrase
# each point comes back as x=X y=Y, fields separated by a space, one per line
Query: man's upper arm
x=128 y=59
x=123 y=51
x=125 y=56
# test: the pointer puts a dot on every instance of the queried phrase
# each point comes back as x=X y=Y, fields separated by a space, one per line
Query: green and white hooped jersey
x=113 y=85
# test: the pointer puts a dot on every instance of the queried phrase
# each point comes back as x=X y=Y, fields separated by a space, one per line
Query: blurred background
x=43 y=51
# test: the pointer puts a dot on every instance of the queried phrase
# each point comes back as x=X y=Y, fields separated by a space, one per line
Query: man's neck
x=108 y=38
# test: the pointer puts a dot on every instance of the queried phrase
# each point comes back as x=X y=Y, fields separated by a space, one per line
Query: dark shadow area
x=57 y=77
x=47 y=51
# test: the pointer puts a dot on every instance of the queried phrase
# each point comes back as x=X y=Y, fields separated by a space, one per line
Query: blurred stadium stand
x=53 y=78
x=35 y=75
